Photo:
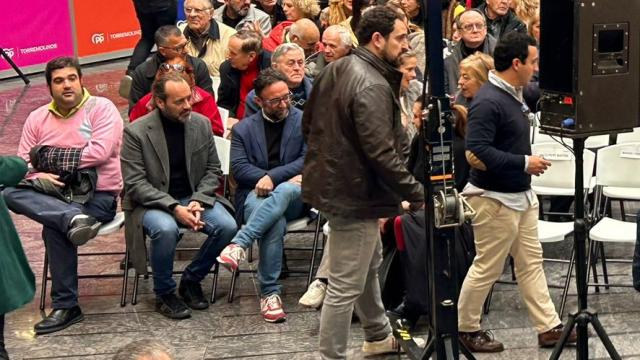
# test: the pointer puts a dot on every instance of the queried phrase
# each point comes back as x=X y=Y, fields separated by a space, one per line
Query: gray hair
x=162 y=35
x=343 y=34
x=285 y=48
x=144 y=348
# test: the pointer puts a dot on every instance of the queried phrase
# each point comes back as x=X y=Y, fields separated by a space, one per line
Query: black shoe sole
x=196 y=307
x=80 y=236
x=179 y=316
x=59 y=327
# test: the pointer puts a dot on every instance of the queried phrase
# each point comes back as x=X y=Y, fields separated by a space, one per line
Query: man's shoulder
x=242 y=128
x=295 y=114
x=142 y=124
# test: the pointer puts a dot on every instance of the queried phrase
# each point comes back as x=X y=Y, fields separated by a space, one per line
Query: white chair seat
x=612 y=230
x=621 y=193
x=298 y=224
x=549 y=232
x=113 y=225
x=326 y=229
x=551 y=191
x=598 y=141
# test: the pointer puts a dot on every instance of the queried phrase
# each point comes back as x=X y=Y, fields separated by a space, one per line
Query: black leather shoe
x=172 y=307
x=83 y=229
x=191 y=293
x=59 y=319
x=406 y=313
x=480 y=341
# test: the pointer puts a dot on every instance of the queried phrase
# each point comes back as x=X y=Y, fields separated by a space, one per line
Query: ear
x=252 y=55
x=515 y=64
x=258 y=100
x=160 y=104
x=378 y=40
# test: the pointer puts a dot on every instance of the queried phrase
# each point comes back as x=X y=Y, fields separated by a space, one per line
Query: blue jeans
x=55 y=216
x=163 y=230
x=267 y=223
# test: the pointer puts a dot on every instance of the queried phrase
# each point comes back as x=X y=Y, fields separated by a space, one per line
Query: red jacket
x=203 y=103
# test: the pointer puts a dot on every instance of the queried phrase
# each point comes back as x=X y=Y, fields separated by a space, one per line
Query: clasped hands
x=189 y=215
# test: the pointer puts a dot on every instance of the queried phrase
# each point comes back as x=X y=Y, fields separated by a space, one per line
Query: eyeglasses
x=276 y=101
x=195 y=11
x=168 y=67
x=179 y=49
x=471 y=27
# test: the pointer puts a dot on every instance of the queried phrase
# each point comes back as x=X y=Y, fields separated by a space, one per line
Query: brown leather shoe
x=480 y=341
x=551 y=337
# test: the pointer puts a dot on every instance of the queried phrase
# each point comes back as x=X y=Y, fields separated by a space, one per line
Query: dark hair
x=267 y=77
x=159 y=87
x=61 y=63
x=162 y=35
x=513 y=45
x=379 y=19
x=251 y=41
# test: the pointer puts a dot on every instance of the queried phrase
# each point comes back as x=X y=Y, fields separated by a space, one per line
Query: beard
x=393 y=60
x=176 y=116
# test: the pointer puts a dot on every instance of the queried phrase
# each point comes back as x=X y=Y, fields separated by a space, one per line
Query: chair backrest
x=224 y=114
x=561 y=174
x=223 y=147
x=216 y=84
x=540 y=138
x=629 y=137
x=619 y=165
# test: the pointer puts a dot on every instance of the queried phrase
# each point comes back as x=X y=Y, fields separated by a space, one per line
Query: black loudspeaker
x=589 y=66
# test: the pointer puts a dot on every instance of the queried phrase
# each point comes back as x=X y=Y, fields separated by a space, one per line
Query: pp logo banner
x=10 y=52
x=97 y=38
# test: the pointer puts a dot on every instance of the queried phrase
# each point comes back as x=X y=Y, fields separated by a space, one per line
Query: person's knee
x=10 y=194
x=163 y=231
x=291 y=190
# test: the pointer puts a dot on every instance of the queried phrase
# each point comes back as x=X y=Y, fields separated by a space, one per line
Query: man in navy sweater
x=499 y=153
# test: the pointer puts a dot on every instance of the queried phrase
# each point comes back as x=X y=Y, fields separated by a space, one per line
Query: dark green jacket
x=17 y=283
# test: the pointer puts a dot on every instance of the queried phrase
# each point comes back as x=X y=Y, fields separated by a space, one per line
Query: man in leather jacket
x=355 y=173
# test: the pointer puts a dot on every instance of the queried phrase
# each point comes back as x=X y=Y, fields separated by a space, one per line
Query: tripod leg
x=428 y=349
x=604 y=337
x=487 y=301
x=557 y=350
x=465 y=351
x=14 y=66
x=567 y=282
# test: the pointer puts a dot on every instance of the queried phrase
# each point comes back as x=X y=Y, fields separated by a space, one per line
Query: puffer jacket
x=355 y=165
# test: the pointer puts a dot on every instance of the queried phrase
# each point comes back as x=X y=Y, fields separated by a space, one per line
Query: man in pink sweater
x=76 y=135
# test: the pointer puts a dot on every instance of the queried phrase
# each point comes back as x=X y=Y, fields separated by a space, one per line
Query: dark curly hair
x=378 y=19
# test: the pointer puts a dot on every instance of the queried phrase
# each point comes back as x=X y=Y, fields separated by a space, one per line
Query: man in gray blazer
x=171 y=170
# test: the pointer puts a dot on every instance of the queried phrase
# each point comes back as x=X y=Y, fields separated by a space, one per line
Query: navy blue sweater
x=498 y=135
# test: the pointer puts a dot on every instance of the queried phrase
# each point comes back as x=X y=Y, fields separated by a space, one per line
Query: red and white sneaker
x=231 y=256
x=271 y=309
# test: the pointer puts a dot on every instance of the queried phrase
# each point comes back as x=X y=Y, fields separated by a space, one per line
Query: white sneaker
x=389 y=345
x=314 y=296
x=231 y=256
x=271 y=309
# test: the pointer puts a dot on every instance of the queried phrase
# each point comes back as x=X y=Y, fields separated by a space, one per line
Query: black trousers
x=149 y=23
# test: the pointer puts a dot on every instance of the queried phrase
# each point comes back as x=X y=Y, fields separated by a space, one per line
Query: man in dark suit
x=171 y=168
x=171 y=43
x=267 y=154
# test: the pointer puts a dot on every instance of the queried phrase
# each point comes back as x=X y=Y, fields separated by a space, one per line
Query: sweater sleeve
x=106 y=134
x=484 y=119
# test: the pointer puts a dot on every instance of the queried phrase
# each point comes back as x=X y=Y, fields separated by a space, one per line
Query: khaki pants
x=499 y=231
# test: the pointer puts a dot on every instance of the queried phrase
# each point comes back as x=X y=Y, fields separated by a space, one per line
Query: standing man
x=75 y=135
x=499 y=153
x=501 y=19
x=171 y=170
x=355 y=173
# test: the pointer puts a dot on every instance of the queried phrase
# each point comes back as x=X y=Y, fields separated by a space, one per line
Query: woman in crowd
x=338 y=11
x=201 y=101
x=533 y=27
x=17 y=283
x=294 y=10
x=410 y=90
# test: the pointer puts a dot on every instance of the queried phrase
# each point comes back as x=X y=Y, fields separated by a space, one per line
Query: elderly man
x=267 y=153
x=171 y=43
x=76 y=136
x=208 y=38
x=241 y=14
x=303 y=32
x=337 y=43
x=471 y=24
x=245 y=60
x=500 y=18
x=171 y=170
x=289 y=60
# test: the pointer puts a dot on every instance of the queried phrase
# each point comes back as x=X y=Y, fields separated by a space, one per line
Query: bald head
x=337 y=42
x=305 y=33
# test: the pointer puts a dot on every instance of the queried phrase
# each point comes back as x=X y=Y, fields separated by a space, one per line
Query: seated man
x=303 y=32
x=86 y=131
x=289 y=60
x=208 y=38
x=242 y=15
x=164 y=192
x=267 y=154
x=245 y=60
x=171 y=43
x=336 y=42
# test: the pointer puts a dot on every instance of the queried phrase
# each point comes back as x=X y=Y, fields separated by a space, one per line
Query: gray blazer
x=145 y=169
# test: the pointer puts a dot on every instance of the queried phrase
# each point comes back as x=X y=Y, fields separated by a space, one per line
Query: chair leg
x=567 y=282
x=314 y=250
x=134 y=296
x=232 y=286
x=487 y=302
x=605 y=273
x=214 y=286
x=45 y=275
x=622 y=212
x=591 y=260
x=250 y=255
x=125 y=280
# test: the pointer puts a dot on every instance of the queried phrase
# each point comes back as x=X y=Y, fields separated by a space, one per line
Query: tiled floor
x=234 y=331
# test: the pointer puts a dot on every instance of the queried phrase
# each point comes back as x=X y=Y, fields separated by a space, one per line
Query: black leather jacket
x=355 y=165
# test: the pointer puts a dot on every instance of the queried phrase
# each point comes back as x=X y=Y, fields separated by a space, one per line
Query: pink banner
x=34 y=32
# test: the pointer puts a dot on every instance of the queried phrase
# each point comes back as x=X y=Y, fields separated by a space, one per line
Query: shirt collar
x=53 y=107
x=516 y=92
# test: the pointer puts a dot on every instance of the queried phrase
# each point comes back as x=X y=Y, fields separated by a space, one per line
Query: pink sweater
x=97 y=126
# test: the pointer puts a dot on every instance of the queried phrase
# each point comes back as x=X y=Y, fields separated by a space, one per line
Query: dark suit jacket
x=249 y=158
x=229 y=89
x=144 y=75
x=145 y=169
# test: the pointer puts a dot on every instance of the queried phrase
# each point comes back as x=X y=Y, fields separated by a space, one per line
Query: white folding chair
x=617 y=178
x=629 y=137
x=224 y=114
x=223 y=148
x=216 y=84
